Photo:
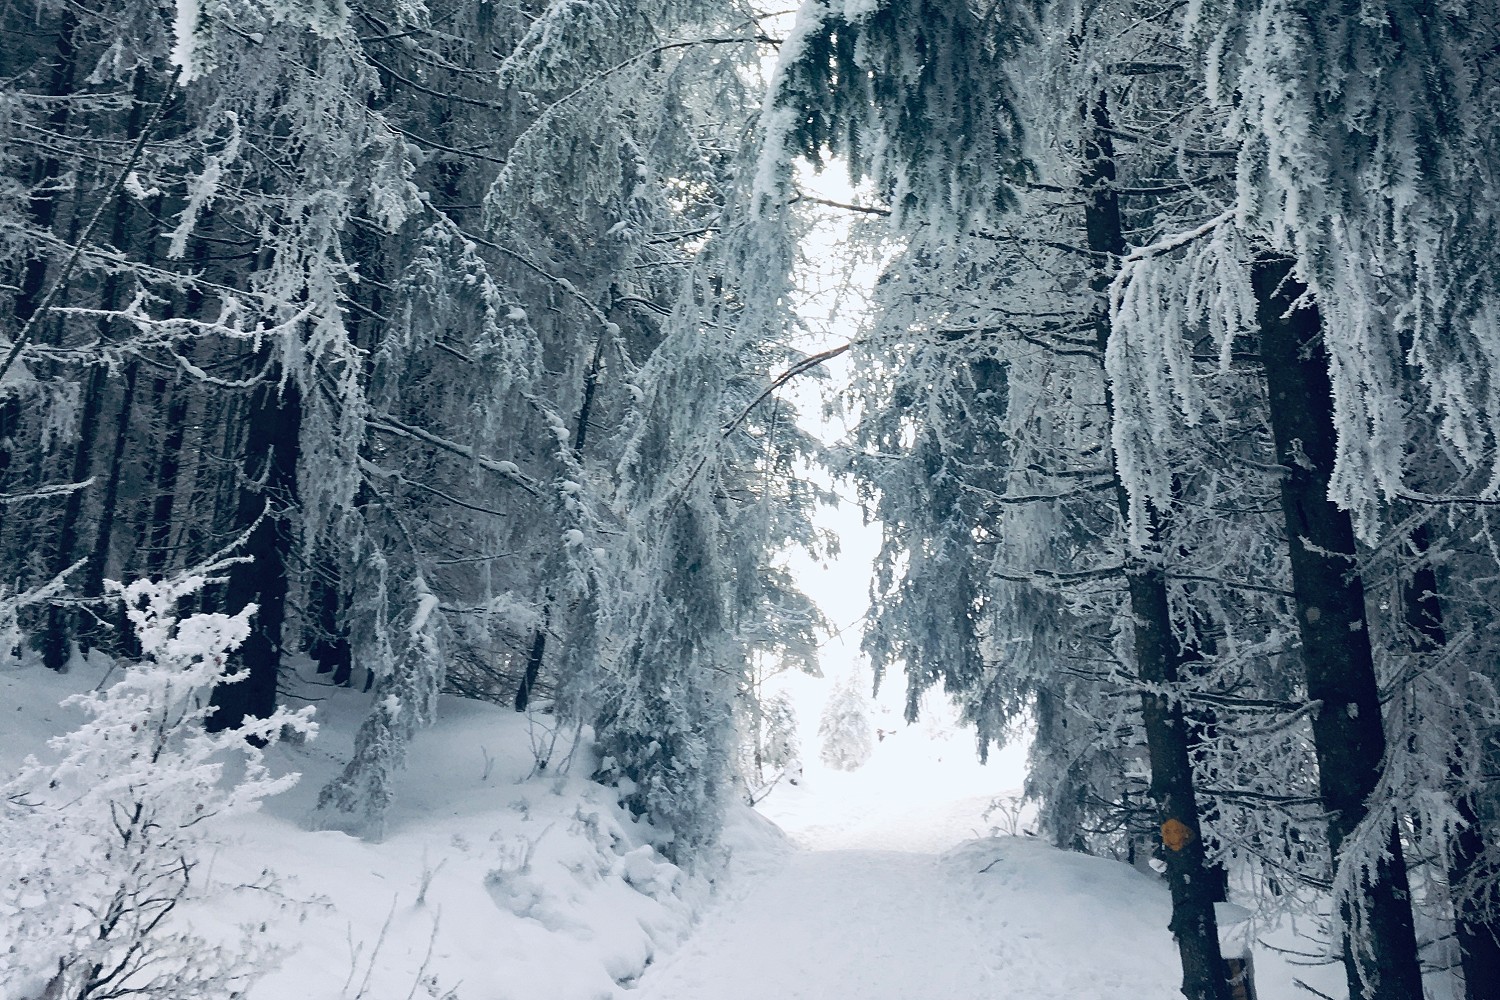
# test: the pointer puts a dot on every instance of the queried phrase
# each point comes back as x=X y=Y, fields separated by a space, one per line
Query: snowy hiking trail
x=994 y=919
x=883 y=925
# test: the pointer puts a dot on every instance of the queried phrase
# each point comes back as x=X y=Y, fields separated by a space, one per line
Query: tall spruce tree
x=397 y=286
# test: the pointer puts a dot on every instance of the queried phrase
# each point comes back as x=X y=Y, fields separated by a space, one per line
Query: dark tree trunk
x=55 y=635
x=44 y=178
x=1473 y=911
x=168 y=466
x=1475 y=908
x=221 y=495
x=1196 y=886
x=43 y=210
x=1203 y=731
x=537 y=656
x=59 y=621
x=332 y=649
x=266 y=498
x=176 y=397
x=533 y=668
x=1348 y=734
x=93 y=573
x=1159 y=655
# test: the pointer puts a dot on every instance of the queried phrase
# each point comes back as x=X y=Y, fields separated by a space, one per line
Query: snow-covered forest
x=363 y=363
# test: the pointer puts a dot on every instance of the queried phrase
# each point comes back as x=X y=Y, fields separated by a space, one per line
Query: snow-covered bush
x=102 y=842
x=411 y=665
x=769 y=750
x=780 y=749
x=845 y=729
x=12 y=603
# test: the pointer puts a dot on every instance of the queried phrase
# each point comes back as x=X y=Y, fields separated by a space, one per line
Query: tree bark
x=1473 y=916
x=172 y=398
x=93 y=578
x=1159 y=655
x=43 y=209
x=43 y=204
x=266 y=496
x=168 y=467
x=537 y=656
x=55 y=635
x=59 y=621
x=1348 y=734
x=332 y=648
x=533 y=664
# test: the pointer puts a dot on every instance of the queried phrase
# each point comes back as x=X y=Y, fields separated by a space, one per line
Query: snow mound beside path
x=496 y=880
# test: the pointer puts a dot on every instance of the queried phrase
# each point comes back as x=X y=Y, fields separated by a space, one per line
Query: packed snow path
x=994 y=919
x=897 y=893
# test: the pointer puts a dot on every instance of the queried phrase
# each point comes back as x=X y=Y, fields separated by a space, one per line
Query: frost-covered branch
x=106 y=201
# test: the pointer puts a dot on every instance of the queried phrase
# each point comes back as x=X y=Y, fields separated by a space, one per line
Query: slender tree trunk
x=173 y=399
x=1348 y=734
x=533 y=663
x=43 y=210
x=59 y=621
x=93 y=573
x=158 y=533
x=537 y=656
x=1159 y=655
x=332 y=648
x=266 y=497
x=1473 y=918
x=1203 y=731
x=221 y=496
x=1474 y=912
x=56 y=632
x=45 y=176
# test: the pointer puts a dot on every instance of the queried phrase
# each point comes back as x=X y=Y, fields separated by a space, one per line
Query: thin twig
x=806 y=364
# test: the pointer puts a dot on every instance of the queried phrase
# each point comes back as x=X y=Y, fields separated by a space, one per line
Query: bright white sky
x=925 y=768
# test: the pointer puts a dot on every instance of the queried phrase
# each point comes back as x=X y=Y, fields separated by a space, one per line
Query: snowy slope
x=497 y=883
x=900 y=892
x=492 y=882
x=903 y=887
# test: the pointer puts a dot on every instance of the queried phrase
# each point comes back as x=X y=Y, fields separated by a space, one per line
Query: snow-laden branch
x=801 y=367
x=106 y=200
x=388 y=424
x=1166 y=245
x=45 y=492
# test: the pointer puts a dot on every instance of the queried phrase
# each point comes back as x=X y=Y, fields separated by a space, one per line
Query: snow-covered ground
x=495 y=882
x=991 y=918
x=898 y=890
x=903 y=884
x=492 y=882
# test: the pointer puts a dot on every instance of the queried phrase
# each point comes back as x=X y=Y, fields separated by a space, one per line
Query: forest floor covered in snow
x=494 y=881
x=901 y=882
